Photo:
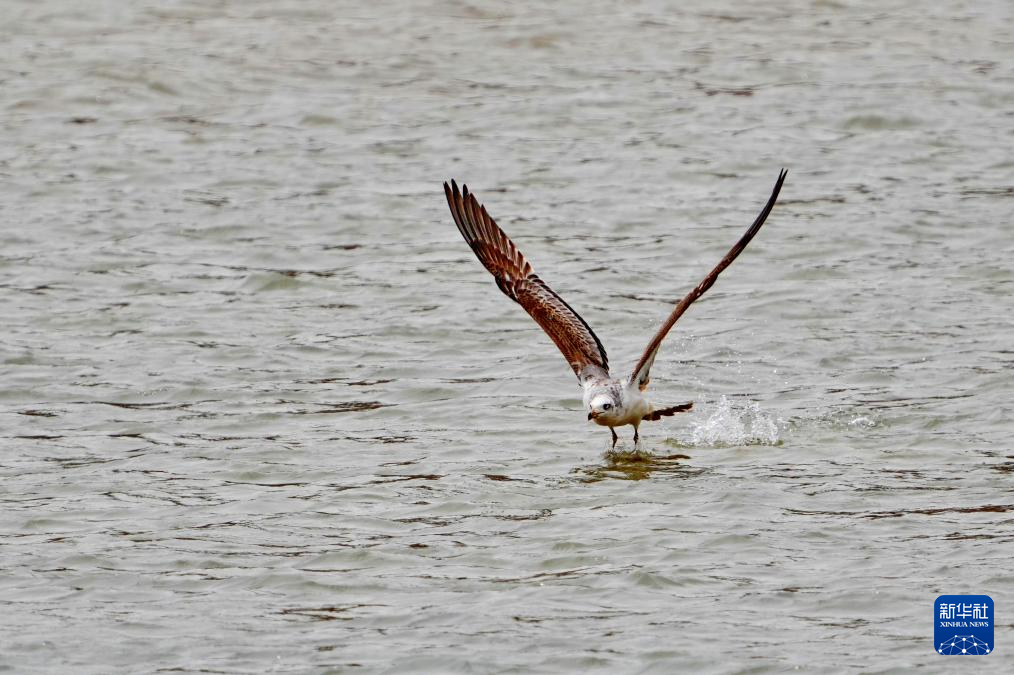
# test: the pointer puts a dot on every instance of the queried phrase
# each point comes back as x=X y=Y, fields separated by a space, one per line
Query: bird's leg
x=637 y=439
x=615 y=437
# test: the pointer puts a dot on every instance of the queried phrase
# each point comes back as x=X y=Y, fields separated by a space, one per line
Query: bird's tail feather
x=656 y=415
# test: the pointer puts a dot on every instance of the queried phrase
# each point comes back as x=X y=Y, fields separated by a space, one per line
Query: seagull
x=611 y=402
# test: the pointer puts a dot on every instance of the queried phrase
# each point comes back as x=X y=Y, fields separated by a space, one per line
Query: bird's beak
x=592 y=415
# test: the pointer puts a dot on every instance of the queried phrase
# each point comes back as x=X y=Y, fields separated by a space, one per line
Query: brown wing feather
x=514 y=276
x=643 y=367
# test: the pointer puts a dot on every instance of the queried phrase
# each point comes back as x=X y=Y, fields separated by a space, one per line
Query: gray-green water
x=263 y=411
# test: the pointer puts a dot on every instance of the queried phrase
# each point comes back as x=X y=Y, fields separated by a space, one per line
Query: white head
x=602 y=407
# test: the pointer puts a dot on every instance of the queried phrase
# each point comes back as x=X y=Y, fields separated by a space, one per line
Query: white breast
x=635 y=407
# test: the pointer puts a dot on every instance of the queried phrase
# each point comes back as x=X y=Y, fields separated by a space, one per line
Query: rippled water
x=264 y=412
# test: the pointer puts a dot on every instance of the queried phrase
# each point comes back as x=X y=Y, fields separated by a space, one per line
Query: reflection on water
x=637 y=466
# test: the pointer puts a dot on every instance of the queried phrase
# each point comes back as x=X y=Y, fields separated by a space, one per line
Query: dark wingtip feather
x=656 y=415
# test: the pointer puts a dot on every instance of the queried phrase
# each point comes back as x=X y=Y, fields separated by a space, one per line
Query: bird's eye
x=607 y=406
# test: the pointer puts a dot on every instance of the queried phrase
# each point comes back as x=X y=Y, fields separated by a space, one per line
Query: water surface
x=263 y=411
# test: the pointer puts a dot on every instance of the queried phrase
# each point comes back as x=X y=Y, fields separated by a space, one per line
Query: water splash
x=862 y=422
x=733 y=424
x=846 y=420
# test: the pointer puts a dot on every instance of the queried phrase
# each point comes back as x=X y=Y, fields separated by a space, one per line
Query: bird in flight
x=611 y=401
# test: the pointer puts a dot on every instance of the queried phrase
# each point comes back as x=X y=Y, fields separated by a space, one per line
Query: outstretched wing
x=514 y=276
x=643 y=366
